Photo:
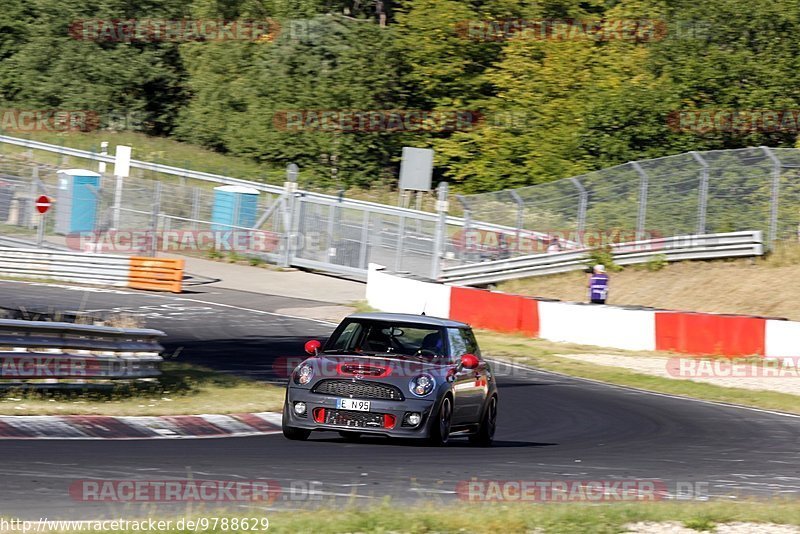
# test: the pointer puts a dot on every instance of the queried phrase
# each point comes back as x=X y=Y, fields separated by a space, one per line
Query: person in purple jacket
x=598 y=285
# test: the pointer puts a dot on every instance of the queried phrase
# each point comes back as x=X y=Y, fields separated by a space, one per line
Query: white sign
x=122 y=161
x=416 y=169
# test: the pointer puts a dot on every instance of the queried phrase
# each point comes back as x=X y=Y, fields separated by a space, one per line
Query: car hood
x=374 y=367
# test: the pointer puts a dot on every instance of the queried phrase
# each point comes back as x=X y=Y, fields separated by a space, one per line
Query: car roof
x=408 y=318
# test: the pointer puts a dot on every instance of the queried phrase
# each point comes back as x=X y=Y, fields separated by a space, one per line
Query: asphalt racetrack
x=549 y=428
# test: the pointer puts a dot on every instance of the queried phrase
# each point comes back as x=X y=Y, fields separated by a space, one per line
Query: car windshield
x=360 y=336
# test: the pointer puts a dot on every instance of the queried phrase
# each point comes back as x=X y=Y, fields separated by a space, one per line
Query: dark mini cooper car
x=397 y=375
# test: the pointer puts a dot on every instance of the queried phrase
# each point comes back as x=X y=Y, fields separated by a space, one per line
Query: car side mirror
x=312 y=347
x=469 y=361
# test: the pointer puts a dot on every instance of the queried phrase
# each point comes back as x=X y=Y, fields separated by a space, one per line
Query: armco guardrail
x=94 y=269
x=49 y=354
x=677 y=248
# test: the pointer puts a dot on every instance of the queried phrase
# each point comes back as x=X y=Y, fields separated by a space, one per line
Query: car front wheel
x=290 y=432
x=440 y=426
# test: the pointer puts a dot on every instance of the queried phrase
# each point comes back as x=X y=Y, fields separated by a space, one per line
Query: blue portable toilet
x=234 y=205
x=76 y=201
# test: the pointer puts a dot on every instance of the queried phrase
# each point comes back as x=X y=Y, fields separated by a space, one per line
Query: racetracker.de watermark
x=173 y=30
x=560 y=490
x=553 y=29
x=786 y=367
x=741 y=121
x=131 y=241
x=49 y=120
x=365 y=121
x=592 y=491
x=193 y=490
x=556 y=240
x=64 y=367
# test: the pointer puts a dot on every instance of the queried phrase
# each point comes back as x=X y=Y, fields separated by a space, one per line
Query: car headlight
x=304 y=374
x=421 y=385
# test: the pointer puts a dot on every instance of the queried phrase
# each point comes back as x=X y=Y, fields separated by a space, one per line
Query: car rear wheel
x=485 y=434
x=440 y=426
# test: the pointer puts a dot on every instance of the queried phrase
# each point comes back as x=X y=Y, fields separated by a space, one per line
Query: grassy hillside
x=767 y=286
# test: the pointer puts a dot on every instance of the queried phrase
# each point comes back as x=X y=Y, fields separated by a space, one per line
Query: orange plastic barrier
x=495 y=311
x=708 y=334
x=156 y=273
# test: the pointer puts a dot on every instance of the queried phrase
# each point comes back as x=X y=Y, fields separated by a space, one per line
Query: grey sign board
x=416 y=169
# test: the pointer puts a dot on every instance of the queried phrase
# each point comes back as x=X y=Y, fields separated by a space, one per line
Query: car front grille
x=353 y=419
x=359 y=390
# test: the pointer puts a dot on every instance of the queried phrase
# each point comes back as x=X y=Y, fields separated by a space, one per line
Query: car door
x=469 y=385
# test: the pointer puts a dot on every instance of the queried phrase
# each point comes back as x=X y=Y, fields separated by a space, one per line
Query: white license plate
x=352 y=404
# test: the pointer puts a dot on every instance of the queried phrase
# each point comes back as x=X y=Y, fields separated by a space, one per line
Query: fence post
x=290 y=187
x=401 y=229
x=774 y=195
x=195 y=207
x=641 y=216
x=702 y=200
x=467 y=222
x=442 y=208
x=362 y=252
x=520 y=215
x=582 y=205
x=154 y=220
x=34 y=194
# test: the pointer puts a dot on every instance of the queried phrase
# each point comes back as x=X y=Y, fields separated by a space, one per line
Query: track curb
x=103 y=427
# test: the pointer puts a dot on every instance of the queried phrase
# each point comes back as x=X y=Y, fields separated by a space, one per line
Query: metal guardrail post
x=442 y=207
x=583 y=203
x=702 y=200
x=641 y=216
x=774 y=195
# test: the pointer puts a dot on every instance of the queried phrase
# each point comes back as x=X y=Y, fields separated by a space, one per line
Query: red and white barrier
x=604 y=326
x=782 y=338
x=387 y=292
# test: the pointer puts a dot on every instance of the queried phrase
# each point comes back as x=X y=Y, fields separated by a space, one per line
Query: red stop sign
x=43 y=204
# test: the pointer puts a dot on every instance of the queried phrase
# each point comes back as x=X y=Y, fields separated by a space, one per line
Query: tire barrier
x=622 y=327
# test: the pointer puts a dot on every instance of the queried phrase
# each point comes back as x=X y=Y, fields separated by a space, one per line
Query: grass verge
x=182 y=389
x=542 y=354
x=743 y=286
x=528 y=518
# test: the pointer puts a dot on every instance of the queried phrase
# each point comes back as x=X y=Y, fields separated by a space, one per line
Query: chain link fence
x=691 y=193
